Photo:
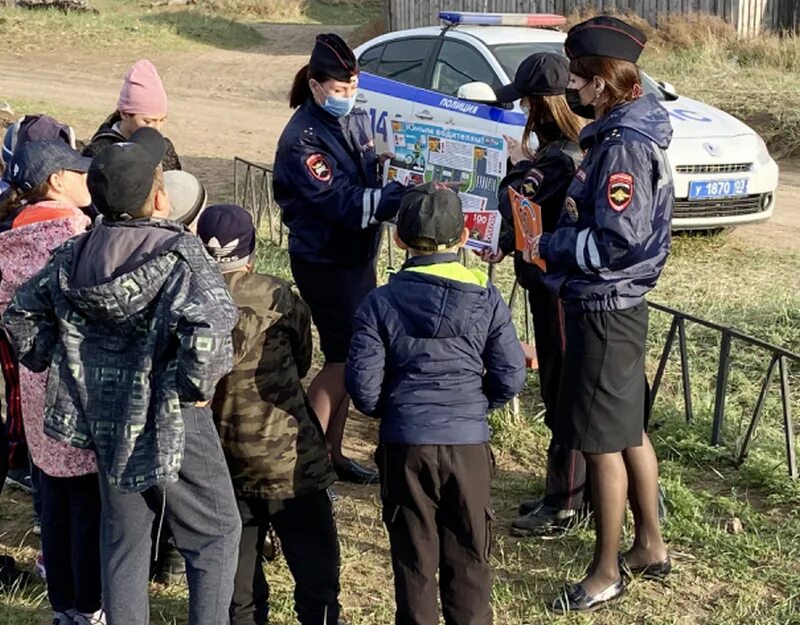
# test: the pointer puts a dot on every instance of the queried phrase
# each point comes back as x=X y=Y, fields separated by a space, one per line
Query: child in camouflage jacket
x=271 y=437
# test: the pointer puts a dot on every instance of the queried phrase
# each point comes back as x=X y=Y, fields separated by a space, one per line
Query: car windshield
x=510 y=55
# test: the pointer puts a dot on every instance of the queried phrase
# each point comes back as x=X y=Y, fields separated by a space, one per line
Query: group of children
x=160 y=381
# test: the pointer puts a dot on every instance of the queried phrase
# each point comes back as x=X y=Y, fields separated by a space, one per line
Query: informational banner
x=475 y=162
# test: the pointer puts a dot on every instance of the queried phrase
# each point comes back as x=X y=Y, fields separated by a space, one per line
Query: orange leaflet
x=527 y=226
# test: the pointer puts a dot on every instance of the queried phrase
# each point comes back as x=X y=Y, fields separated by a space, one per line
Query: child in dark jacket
x=272 y=439
x=431 y=353
x=133 y=322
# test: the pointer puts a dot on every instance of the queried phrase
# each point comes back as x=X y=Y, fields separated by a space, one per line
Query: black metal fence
x=779 y=358
x=253 y=191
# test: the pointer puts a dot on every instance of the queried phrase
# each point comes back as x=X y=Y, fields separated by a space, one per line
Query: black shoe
x=19 y=479
x=10 y=576
x=544 y=521
x=655 y=571
x=573 y=598
x=529 y=505
x=352 y=471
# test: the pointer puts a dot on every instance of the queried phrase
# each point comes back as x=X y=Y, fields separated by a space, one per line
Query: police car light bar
x=502 y=19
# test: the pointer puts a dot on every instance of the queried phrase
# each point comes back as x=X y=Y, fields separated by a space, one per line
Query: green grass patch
x=721 y=577
x=123 y=24
x=225 y=24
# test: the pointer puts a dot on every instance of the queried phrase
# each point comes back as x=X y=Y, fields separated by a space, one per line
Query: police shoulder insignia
x=531 y=183
x=319 y=168
x=572 y=209
x=620 y=191
x=581 y=175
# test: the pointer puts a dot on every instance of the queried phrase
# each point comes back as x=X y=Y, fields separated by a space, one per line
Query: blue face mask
x=338 y=107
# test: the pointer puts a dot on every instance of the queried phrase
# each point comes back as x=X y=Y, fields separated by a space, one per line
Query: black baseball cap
x=332 y=57
x=34 y=162
x=543 y=73
x=605 y=36
x=229 y=235
x=121 y=175
x=430 y=218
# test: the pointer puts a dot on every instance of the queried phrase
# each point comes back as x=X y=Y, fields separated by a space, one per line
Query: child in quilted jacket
x=48 y=180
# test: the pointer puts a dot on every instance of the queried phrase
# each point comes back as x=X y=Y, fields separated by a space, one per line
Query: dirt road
x=225 y=103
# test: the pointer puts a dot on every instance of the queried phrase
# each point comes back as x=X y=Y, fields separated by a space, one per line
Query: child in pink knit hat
x=143 y=94
x=142 y=102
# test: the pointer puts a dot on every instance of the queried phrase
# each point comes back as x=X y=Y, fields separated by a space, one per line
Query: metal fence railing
x=253 y=191
x=779 y=358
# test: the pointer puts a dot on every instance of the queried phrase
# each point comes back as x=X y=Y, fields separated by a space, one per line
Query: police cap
x=333 y=58
x=605 y=36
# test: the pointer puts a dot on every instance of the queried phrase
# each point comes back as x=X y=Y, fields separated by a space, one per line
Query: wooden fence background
x=748 y=16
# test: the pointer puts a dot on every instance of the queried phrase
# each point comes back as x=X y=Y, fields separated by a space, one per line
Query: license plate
x=707 y=189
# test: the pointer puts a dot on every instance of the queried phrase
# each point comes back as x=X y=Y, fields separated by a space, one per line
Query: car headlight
x=762 y=153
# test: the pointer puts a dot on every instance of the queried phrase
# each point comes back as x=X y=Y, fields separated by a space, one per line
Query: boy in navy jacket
x=431 y=353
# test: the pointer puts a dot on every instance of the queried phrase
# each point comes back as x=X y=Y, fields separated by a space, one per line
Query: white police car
x=723 y=172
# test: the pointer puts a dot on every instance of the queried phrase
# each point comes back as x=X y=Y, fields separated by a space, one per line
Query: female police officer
x=326 y=181
x=543 y=177
x=607 y=252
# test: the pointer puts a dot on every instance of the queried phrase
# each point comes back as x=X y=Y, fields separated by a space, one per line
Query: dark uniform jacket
x=431 y=352
x=108 y=134
x=327 y=183
x=544 y=181
x=272 y=439
x=613 y=237
x=132 y=319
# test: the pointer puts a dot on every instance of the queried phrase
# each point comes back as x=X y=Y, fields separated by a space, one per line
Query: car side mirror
x=668 y=87
x=477 y=92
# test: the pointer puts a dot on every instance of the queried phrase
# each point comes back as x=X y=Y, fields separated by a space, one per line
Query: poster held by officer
x=474 y=163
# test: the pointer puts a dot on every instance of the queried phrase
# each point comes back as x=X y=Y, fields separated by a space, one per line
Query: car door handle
x=361 y=99
x=426 y=114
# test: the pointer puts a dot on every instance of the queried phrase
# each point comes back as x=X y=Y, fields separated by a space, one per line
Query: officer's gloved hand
x=390 y=201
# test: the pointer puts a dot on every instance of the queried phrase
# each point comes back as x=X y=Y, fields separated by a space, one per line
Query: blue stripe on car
x=394 y=89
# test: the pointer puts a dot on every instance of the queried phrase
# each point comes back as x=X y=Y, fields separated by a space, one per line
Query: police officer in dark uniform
x=543 y=177
x=327 y=182
x=606 y=254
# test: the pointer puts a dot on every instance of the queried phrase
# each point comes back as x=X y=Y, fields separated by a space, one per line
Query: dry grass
x=263 y=10
x=754 y=78
x=369 y=30
x=305 y=11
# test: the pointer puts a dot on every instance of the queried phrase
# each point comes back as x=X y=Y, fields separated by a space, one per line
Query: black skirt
x=603 y=390
x=333 y=293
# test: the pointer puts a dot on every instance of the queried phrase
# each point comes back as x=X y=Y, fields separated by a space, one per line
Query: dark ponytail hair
x=300 y=89
x=112 y=119
x=15 y=199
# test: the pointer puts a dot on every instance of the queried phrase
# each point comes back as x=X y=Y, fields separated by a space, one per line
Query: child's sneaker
x=40 y=570
x=98 y=618
x=19 y=479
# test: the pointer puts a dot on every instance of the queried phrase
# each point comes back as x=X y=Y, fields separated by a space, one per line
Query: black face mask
x=573 y=97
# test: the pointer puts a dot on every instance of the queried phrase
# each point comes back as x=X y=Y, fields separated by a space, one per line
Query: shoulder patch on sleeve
x=532 y=183
x=620 y=190
x=319 y=168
